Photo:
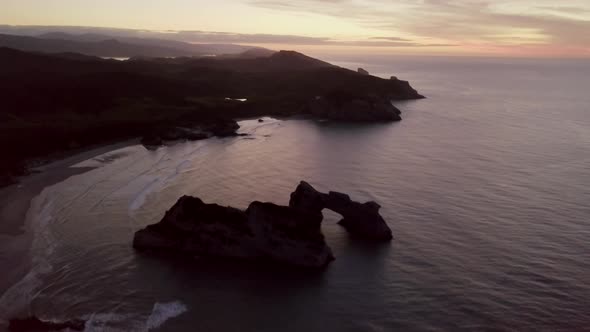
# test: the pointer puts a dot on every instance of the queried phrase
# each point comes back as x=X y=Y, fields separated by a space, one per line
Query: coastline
x=17 y=231
x=15 y=237
x=15 y=234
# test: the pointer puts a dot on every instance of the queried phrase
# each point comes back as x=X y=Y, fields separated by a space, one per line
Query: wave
x=115 y=322
x=155 y=185
x=98 y=322
x=18 y=298
x=163 y=312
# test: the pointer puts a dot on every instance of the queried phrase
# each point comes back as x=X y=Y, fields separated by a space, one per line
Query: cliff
x=288 y=235
x=76 y=100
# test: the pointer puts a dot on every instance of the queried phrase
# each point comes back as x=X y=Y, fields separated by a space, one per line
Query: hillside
x=114 y=47
x=55 y=102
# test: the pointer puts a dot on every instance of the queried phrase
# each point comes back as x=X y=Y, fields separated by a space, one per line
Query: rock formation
x=360 y=219
x=354 y=109
x=265 y=231
x=34 y=324
x=220 y=128
x=362 y=71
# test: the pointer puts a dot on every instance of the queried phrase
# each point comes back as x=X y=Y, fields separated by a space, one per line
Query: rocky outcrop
x=354 y=109
x=34 y=324
x=265 y=231
x=289 y=235
x=360 y=219
x=362 y=71
x=221 y=128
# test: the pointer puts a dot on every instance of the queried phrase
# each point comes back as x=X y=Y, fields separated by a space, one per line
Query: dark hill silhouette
x=183 y=48
x=107 y=46
x=282 y=61
x=256 y=53
x=52 y=102
x=103 y=48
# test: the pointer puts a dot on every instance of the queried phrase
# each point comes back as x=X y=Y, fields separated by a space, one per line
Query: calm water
x=485 y=185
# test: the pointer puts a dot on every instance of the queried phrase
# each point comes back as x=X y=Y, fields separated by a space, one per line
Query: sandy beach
x=15 y=237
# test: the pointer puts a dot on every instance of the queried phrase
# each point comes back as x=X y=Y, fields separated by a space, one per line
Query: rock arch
x=360 y=219
x=265 y=231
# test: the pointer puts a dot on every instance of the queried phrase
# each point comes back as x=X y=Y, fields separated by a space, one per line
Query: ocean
x=485 y=185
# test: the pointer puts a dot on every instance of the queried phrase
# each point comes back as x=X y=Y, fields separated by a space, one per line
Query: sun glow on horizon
x=538 y=28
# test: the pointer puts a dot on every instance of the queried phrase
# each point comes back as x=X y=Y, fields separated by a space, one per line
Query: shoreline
x=15 y=200
x=15 y=233
x=55 y=170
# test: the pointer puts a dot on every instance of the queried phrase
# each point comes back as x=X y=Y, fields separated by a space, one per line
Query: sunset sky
x=454 y=27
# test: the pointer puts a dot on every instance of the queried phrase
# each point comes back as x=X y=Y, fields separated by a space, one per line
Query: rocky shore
x=53 y=103
x=288 y=235
x=219 y=128
x=34 y=324
x=354 y=109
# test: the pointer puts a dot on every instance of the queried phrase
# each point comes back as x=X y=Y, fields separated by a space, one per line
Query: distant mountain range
x=119 y=46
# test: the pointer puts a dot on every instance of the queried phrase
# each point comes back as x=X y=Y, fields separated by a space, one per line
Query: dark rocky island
x=55 y=102
x=288 y=235
x=360 y=219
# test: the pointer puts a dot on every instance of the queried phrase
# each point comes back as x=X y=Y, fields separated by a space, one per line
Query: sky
x=530 y=28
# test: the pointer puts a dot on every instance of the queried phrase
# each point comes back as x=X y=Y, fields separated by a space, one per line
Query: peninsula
x=56 y=102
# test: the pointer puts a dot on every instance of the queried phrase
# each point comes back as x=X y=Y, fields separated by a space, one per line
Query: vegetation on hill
x=54 y=102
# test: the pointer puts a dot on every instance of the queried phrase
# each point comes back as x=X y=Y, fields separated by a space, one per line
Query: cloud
x=395 y=39
x=194 y=36
x=371 y=43
x=459 y=21
x=197 y=36
x=461 y=24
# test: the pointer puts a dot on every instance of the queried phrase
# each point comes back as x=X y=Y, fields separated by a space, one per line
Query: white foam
x=107 y=157
x=18 y=297
x=115 y=322
x=100 y=322
x=163 y=312
x=156 y=185
x=237 y=99
x=141 y=197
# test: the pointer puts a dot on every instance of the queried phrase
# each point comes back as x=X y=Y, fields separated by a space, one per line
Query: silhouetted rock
x=265 y=231
x=260 y=120
x=220 y=128
x=289 y=235
x=362 y=71
x=307 y=198
x=354 y=109
x=360 y=219
x=34 y=324
x=151 y=141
